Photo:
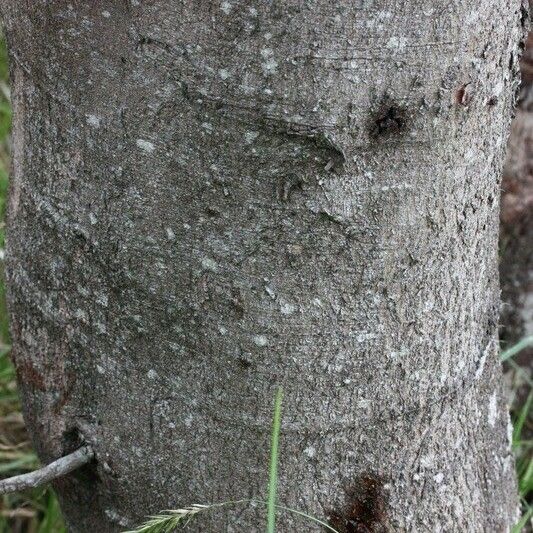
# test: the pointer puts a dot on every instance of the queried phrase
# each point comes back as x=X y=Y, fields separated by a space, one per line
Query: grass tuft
x=168 y=521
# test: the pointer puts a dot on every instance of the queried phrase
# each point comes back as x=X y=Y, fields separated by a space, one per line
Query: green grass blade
x=25 y=462
x=521 y=420
x=517 y=528
x=526 y=342
x=52 y=520
x=273 y=471
x=526 y=479
x=521 y=371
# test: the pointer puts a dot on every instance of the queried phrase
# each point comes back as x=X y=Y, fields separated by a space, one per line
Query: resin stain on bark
x=464 y=94
x=365 y=509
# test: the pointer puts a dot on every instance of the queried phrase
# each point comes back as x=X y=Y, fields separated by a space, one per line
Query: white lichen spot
x=510 y=430
x=106 y=14
x=287 y=308
x=397 y=43
x=317 y=302
x=439 y=478
x=247 y=89
x=209 y=264
x=177 y=348
x=252 y=11
x=295 y=249
x=222 y=330
x=482 y=361
x=82 y=290
x=226 y=7
x=427 y=461
x=81 y=314
x=188 y=421
x=260 y=340
x=145 y=145
x=93 y=121
x=207 y=126
x=251 y=136
x=310 y=451
x=116 y=518
x=493 y=410
x=472 y=17
x=152 y=374
x=270 y=291
x=498 y=88
x=224 y=74
x=92 y=218
x=170 y=234
x=100 y=369
x=470 y=155
x=269 y=65
x=365 y=336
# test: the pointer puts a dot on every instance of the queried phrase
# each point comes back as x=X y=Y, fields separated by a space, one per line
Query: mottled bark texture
x=516 y=265
x=210 y=199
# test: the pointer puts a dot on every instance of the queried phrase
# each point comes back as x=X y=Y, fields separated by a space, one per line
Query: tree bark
x=212 y=199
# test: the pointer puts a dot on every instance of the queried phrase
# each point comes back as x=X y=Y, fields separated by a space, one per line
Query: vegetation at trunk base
x=168 y=521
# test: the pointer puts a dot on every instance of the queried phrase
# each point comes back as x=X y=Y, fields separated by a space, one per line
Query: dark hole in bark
x=213 y=212
x=524 y=15
x=390 y=120
x=237 y=303
x=364 y=511
x=72 y=440
x=244 y=363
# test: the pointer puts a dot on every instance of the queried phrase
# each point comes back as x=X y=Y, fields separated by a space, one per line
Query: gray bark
x=210 y=199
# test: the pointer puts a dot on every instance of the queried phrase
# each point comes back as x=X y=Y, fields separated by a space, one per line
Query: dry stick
x=47 y=473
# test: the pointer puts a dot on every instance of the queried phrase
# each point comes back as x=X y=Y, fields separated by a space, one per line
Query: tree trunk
x=212 y=199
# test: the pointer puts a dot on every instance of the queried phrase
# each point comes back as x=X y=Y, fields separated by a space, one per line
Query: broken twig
x=54 y=470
